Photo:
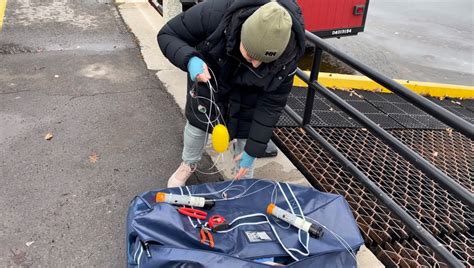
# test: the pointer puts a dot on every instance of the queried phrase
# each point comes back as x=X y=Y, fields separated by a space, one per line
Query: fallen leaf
x=93 y=157
x=18 y=257
x=29 y=243
x=48 y=136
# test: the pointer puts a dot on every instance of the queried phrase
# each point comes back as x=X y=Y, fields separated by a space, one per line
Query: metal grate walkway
x=446 y=218
x=388 y=110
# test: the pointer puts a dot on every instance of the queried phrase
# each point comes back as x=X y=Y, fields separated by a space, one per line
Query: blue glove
x=195 y=67
x=246 y=160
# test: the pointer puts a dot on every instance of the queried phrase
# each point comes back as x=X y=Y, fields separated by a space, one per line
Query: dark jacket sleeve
x=179 y=37
x=269 y=108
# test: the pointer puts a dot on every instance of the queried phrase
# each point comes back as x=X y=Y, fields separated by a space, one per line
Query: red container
x=334 y=18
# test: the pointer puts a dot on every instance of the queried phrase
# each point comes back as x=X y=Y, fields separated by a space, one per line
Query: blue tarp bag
x=159 y=236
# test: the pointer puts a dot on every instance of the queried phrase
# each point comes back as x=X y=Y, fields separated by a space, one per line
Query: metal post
x=406 y=152
x=308 y=108
x=410 y=222
x=157 y=6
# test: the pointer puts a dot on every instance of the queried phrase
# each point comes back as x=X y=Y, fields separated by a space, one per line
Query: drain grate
x=445 y=217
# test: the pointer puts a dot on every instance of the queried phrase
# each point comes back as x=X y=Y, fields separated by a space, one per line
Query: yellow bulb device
x=220 y=138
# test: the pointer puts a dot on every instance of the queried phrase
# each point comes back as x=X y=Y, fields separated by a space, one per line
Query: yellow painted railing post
x=3 y=6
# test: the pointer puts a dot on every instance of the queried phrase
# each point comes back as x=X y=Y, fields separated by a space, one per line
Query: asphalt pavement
x=72 y=69
x=420 y=40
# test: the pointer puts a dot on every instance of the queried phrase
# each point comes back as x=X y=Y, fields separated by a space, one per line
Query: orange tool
x=206 y=237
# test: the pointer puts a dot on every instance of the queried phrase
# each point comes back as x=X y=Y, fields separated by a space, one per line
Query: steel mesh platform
x=445 y=217
x=387 y=110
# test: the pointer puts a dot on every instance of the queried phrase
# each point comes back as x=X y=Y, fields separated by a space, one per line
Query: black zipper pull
x=147 y=249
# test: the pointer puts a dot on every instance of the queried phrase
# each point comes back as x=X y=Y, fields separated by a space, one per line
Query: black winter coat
x=250 y=100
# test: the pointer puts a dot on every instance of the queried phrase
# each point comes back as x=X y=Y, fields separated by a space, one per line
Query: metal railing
x=157 y=5
x=418 y=161
x=421 y=102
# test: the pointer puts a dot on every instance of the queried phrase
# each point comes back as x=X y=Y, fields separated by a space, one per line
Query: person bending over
x=241 y=57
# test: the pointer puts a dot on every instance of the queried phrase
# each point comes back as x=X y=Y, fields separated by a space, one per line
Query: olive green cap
x=265 y=33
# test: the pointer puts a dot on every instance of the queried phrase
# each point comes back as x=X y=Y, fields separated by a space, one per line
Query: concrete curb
x=348 y=82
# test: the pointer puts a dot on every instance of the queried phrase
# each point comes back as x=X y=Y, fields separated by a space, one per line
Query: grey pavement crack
x=19 y=91
x=108 y=93
x=81 y=95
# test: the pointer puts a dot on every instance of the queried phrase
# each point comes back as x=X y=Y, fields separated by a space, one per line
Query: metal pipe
x=410 y=222
x=308 y=108
x=430 y=170
x=445 y=116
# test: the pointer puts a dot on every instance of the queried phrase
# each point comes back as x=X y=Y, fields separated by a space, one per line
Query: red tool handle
x=215 y=220
x=194 y=213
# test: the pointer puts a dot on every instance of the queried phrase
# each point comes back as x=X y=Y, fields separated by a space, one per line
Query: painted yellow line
x=346 y=82
x=3 y=6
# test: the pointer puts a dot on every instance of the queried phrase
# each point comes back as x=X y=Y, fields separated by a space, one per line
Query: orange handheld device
x=184 y=200
x=313 y=230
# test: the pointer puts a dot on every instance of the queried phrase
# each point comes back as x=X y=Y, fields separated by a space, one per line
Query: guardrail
x=421 y=102
x=418 y=161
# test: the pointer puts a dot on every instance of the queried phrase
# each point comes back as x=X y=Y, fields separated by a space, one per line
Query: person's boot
x=271 y=150
x=181 y=175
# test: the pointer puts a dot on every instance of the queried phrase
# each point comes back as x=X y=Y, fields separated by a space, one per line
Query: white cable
x=229 y=186
x=274 y=193
x=215 y=163
x=189 y=194
x=288 y=250
x=139 y=256
x=189 y=218
x=244 y=217
x=271 y=226
x=305 y=246
x=244 y=194
x=136 y=251
x=197 y=118
x=301 y=214
x=273 y=201
x=243 y=224
x=341 y=240
x=215 y=78
x=286 y=199
x=216 y=192
x=212 y=104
